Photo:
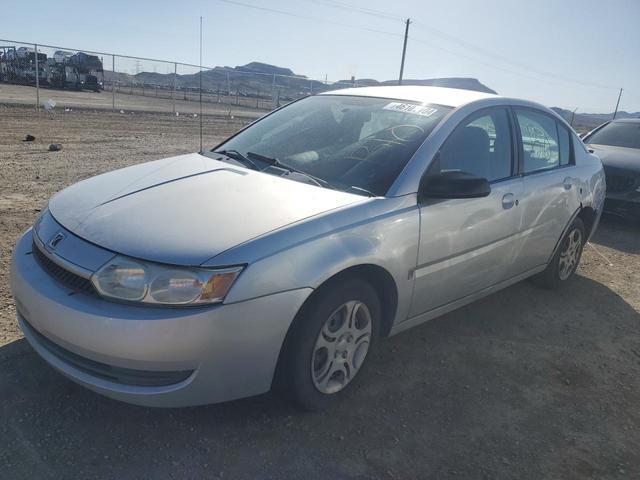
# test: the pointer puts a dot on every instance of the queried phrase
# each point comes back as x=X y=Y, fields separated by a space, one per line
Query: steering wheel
x=362 y=153
x=406 y=133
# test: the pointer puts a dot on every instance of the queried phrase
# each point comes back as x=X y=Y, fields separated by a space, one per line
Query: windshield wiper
x=236 y=155
x=270 y=160
x=363 y=190
x=274 y=162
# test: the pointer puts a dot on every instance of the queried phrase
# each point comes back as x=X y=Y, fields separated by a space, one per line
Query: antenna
x=201 y=84
x=615 y=112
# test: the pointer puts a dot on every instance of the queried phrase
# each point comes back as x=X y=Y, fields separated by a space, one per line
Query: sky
x=566 y=53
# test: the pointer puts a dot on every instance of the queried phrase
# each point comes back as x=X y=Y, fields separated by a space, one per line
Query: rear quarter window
x=564 y=142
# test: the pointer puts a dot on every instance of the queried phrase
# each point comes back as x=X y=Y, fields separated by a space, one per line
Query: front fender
x=383 y=233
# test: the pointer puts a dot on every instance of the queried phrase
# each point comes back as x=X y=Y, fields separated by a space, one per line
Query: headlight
x=132 y=280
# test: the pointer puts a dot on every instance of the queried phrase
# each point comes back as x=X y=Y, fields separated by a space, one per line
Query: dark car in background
x=617 y=143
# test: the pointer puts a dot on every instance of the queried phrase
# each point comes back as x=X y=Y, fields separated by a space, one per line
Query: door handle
x=508 y=201
x=567 y=183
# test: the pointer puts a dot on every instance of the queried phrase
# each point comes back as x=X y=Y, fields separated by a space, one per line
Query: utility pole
x=200 y=83
x=113 y=83
x=273 y=91
x=173 y=87
x=617 y=105
x=404 y=49
x=37 y=79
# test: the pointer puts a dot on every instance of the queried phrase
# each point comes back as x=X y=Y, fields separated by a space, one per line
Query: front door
x=467 y=245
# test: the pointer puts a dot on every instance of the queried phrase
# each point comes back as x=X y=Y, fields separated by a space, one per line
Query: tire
x=564 y=263
x=324 y=351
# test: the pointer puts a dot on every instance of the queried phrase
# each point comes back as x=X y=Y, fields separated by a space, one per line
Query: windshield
x=617 y=134
x=345 y=142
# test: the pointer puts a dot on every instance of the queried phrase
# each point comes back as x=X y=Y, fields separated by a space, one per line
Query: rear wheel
x=328 y=344
x=564 y=263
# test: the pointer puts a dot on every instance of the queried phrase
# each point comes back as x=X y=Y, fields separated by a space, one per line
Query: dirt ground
x=526 y=383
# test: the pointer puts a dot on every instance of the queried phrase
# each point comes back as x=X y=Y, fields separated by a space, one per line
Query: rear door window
x=540 y=143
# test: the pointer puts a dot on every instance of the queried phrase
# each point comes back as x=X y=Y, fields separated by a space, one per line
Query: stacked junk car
x=65 y=70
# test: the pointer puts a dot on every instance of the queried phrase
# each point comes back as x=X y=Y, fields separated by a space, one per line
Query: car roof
x=626 y=120
x=452 y=97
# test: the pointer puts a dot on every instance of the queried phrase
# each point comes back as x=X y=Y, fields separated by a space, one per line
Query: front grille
x=64 y=276
x=124 y=376
x=617 y=183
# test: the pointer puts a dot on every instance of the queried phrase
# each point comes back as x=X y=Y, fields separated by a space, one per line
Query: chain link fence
x=49 y=77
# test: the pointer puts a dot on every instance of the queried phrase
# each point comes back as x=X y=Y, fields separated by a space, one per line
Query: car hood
x=618 y=157
x=185 y=210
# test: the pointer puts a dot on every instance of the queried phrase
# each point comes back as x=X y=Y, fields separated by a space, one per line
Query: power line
x=354 y=8
x=480 y=62
x=533 y=75
x=464 y=43
x=459 y=41
x=538 y=75
x=313 y=19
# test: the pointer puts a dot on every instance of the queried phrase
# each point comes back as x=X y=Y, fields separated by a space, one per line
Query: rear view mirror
x=454 y=184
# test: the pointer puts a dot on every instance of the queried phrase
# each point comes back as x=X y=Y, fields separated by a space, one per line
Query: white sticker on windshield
x=411 y=108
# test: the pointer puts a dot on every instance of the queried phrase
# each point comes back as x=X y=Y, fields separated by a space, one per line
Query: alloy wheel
x=341 y=347
x=570 y=254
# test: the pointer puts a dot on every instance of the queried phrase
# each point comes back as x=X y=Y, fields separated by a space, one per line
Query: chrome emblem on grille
x=56 y=239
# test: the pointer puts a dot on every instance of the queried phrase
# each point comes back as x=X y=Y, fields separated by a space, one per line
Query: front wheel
x=328 y=343
x=564 y=263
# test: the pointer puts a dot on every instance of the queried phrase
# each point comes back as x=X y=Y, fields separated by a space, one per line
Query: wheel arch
x=375 y=275
x=582 y=212
x=378 y=277
x=589 y=216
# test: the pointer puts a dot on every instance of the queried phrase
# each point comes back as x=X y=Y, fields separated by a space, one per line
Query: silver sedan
x=278 y=258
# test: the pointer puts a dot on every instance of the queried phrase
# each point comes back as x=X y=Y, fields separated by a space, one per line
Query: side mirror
x=454 y=184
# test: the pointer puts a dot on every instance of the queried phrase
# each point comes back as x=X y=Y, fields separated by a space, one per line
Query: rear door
x=551 y=192
x=467 y=245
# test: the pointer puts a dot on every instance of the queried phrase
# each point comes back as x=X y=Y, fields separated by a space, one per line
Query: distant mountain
x=262 y=79
x=583 y=122
x=258 y=78
x=453 y=82
x=257 y=67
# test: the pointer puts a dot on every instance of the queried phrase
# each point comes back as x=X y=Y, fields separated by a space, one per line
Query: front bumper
x=223 y=352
